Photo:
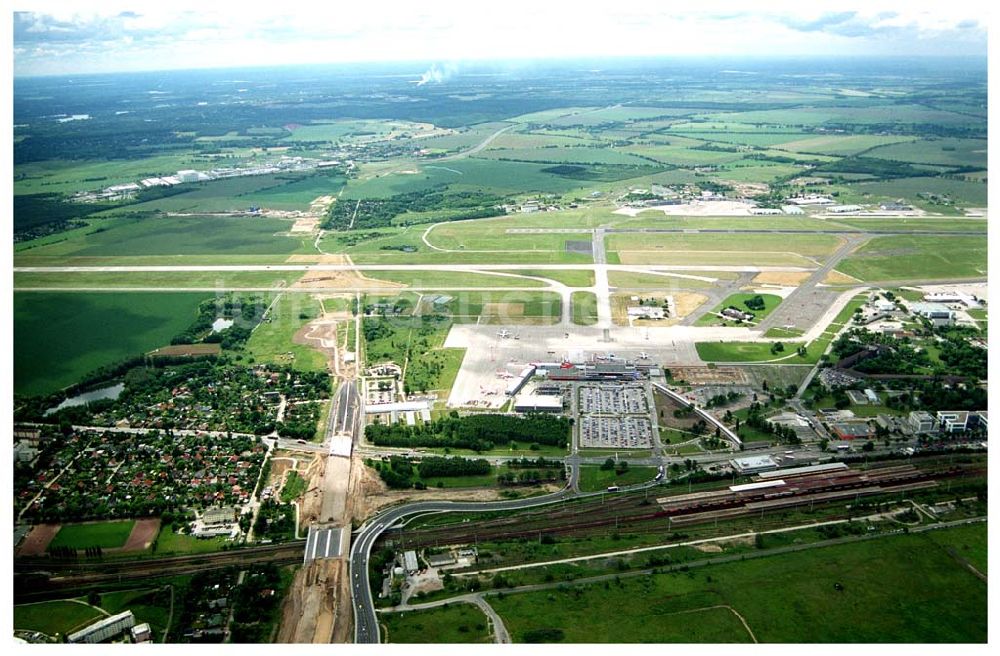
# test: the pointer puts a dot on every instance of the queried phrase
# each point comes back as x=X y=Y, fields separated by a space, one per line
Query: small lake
x=221 y=324
x=83 y=398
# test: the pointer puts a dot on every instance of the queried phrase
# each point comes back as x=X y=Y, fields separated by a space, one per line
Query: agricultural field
x=105 y=328
x=833 y=604
x=917 y=258
x=107 y=535
x=172 y=236
x=947 y=152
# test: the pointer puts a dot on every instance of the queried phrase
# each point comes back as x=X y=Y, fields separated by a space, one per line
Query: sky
x=73 y=37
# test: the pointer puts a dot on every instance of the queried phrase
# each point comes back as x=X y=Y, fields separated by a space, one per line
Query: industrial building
x=920 y=422
x=850 y=431
x=753 y=464
x=410 y=562
x=538 y=403
x=104 y=629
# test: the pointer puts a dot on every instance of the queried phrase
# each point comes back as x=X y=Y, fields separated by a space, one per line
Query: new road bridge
x=366 y=629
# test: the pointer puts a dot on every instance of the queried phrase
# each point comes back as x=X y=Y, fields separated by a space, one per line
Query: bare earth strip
x=781 y=277
x=143 y=533
x=38 y=540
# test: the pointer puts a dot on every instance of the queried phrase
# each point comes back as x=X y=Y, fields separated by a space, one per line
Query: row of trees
x=479 y=432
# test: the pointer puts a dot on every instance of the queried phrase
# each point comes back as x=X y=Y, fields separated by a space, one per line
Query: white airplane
x=503 y=334
x=643 y=355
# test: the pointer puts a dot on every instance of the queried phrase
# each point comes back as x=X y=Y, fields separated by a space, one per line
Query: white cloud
x=221 y=33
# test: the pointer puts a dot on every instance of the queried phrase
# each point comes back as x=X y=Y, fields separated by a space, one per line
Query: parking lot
x=616 y=432
x=613 y=399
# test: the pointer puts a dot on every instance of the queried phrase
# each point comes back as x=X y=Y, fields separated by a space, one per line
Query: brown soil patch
x=706 y=376
x=317 y=258
x=708 y=548
x=781 y=277
x=310 y=505
x=37 y=541
x=317 y=610
x=504 y=309
x=143 y=533
x=305 y=224
x=837 y=278
x=187 y=350
x=687 y=302
x=342 y=280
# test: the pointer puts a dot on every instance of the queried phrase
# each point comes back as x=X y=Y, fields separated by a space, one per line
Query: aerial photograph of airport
x=434 y=323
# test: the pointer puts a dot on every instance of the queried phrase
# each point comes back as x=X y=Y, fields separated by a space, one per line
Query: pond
x=83 y=398
x=221 y=324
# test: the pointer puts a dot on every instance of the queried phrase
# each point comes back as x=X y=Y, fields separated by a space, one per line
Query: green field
x=435 y=280
x=273 y=340
x=107 y=535
x=771 y=301
x=963 y=193
x=215 y=280
x=55 y=617
x=584 y=306
x=169 y=541
x=754 y=352
x=595 y=479
x=171 y=236
x=920 y=592
x=503 y=307
x=917 y=258
x=59 y=337
x=568 y=277
x=453 y=623
x=293 y=488
x=762 y=249
x=949 y=152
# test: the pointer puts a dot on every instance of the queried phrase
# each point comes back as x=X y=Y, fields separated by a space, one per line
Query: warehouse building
x=538 y=403
x=104 y=629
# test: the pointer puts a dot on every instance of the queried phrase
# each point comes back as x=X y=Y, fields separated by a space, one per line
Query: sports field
x=107 y=535
x=59 y=337
x=834 y=603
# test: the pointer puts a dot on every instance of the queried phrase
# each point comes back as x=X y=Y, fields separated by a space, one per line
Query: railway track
x=39 y=576
x=688 y=509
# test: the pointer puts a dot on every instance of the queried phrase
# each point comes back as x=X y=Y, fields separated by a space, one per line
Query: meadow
x=595 y=479
x=738 y=301
x=917 y=258
x=59 y=337
x=273 y=340
x=834 y=603
x=453 y=623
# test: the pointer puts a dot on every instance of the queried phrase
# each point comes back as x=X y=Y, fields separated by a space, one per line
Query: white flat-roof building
x=920 y=421
x=538 y=403
x=410 y=562
x=753 y=464
x=104 y=629
x=953 y=421
x=792 y=209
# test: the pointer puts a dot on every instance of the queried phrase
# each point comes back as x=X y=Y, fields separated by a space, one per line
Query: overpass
x=723 y=429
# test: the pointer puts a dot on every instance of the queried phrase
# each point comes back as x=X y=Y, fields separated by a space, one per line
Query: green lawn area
x=918 y=258
x=738 y=301
x=454 y=623
x=568 y=277
x=434 y=280
x=272 y=341
x=52 y=617
x=892 y=589
x=170 y=542
x=784 y=333
x=150 y=605
x=104 y=279
x=59 y=337
x=594 y=479
x=969 y=542
x=750 y=352
x=721 y=248
x=584 y=308
x=107 y=535
x=503 y=307
x=293 y=488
